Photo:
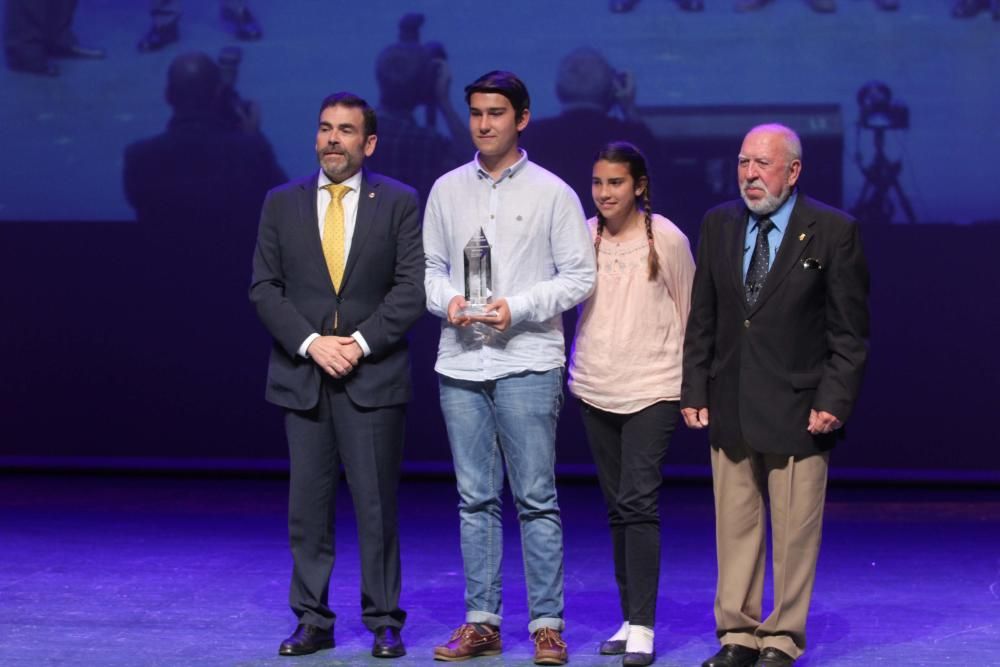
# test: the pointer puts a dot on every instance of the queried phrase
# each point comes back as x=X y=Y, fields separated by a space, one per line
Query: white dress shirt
x=350 y=204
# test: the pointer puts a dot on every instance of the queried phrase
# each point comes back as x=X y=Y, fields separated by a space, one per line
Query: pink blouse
x=630 y=335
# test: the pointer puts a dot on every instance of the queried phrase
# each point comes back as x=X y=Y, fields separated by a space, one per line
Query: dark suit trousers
x=34 y=28
x=369 y=444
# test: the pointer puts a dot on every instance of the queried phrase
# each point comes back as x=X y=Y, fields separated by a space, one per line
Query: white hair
x=792 y=142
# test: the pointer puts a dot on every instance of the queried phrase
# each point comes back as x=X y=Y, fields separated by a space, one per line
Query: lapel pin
x=371 y=195
x=802 y=237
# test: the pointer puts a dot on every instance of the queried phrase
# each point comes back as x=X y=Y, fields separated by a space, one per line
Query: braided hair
x=622 y=152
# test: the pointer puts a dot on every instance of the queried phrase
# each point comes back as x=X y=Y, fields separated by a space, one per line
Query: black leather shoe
x=613 y=647
x=823 y=6
x=638 y=659
x=77 y=51
x=733 y=655
x=159 y=36
x=388 y=643
x=772 y=657
x=622 y=6
x=305 y=640
x=244 y=24
x=750 y=5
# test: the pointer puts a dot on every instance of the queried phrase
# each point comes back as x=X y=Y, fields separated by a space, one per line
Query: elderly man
x=774 y=354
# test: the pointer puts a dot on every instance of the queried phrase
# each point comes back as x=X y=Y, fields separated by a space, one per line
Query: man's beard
x=769 y=204
x=337 y=173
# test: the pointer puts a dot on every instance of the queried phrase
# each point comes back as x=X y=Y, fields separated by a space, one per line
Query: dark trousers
x=166 y=12
x=368 y=442
x=628 y=451
x=33 y=29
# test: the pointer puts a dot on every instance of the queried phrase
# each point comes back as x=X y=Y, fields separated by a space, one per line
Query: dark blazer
x=381 y=295
x=804 y=343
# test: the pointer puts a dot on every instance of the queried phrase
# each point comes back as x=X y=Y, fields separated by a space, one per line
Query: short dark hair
x=503 y=83
x=350 y=100
x=194 y=82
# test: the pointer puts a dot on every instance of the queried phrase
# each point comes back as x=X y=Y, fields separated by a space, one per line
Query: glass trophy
x=478 y=276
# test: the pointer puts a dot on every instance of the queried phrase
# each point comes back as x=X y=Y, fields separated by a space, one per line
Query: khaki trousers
x=796 y=488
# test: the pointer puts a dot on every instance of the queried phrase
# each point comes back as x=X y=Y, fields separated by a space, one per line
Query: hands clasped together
x=336 y=355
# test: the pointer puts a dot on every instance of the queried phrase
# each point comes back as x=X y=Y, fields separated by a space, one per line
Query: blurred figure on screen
x=166 y=23
x=623 y=6
x=36 y=31
x=197 y=189
x=410 y=75
x=820 y=6
x=590 y=91
x=965 y=9
x=211 y=163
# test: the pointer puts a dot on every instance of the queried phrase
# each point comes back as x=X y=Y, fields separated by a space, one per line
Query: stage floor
x=115 y=571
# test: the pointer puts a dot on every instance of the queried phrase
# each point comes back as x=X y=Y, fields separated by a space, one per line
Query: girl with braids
x=626 y=371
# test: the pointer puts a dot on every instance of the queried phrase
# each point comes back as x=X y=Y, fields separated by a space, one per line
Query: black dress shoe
x=612 y=647
x=638 y=659
x=77 y=51
x=733 y=655
x=159 y=36
x=244 y=23
x=306 y=639
x=823 y=6
x=388 y=643
x=750 y=5
x=772 y=657
x=622 y=6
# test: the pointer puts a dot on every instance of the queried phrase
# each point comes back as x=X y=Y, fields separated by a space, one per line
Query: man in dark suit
x=337 y=281
x=589 y=91
x=196 y=207
x=774 y=352
x=37 y=30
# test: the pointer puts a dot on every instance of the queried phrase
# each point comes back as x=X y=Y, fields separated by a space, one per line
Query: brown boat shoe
x=550 y=649
x=470 y=640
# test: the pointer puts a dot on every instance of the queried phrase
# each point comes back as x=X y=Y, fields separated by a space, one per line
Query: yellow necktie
x=333 y=233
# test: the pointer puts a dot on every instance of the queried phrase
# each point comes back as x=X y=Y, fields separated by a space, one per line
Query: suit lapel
x=796 y=239
x=733 y=247
x=367 y=204
x=308 y=222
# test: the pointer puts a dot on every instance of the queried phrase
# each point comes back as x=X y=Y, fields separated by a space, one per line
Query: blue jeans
x=512 y=419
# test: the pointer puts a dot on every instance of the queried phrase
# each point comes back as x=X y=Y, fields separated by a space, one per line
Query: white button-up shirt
x=542 y=264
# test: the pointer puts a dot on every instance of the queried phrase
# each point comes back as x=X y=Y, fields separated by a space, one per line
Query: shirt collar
x=779 y=218
x=354 y=182
x=508 y=172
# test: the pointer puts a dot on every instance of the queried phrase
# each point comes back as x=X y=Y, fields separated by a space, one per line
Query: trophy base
x=478 y=311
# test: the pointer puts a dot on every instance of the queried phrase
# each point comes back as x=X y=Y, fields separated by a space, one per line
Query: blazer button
x=746 y=324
